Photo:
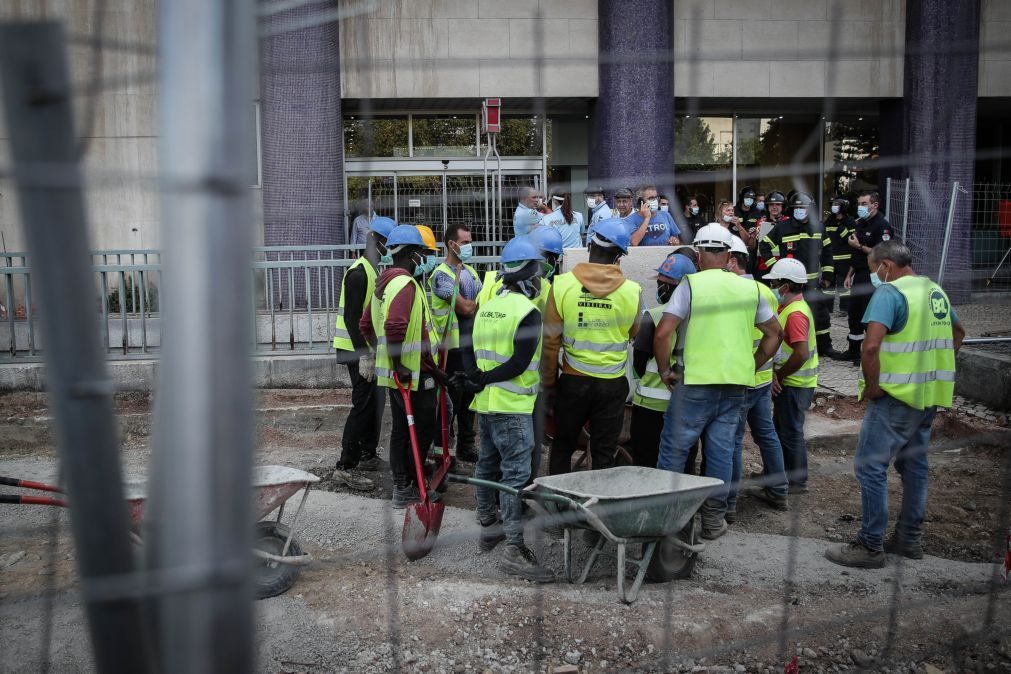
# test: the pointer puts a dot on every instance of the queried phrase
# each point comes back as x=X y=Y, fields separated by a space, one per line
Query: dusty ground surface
x=363 y=607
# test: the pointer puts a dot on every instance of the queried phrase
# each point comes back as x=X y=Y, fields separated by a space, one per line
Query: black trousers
x=466 y=433
x=364 y=423
x=860 y=296
x=820 y=304
x=646 y=428
x=424 y=403
x=581 y=399
x=842 y=268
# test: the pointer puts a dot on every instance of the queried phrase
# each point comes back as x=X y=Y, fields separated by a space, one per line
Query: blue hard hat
x=404 y=235
x=521 y=249
x=616 y=231
x=382 y=226
x=675 y=267
x=548 y=239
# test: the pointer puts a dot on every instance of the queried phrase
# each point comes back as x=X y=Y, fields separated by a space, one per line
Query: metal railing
x=296 y=291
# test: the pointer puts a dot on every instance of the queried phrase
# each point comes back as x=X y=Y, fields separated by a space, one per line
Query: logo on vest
x=939 y=304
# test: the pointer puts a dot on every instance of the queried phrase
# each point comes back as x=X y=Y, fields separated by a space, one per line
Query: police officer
x=802 y=238
x=721 y=311
x=838 y=227
x=507 y=346
x=869 y=230
x=908 y=370
x=649 y=401
x=592 y=313
x=361 y=429
x=399 y=326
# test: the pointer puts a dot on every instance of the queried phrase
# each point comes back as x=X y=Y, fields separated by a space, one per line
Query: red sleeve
x=399 y=316
x=365 y=325
x=796 y=329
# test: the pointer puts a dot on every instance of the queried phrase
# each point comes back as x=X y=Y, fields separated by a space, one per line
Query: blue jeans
x=789 y=410
x=892 y=430
x=507 y=443
x=713 y=413
x=758 y=416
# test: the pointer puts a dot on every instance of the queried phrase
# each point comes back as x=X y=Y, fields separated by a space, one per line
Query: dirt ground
x=363 y=607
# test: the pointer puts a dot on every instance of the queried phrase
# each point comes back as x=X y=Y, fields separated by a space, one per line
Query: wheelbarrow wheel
x=271 y=578
x=672 y=562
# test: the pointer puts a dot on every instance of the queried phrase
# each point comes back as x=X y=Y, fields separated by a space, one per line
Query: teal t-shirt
x=889 y=308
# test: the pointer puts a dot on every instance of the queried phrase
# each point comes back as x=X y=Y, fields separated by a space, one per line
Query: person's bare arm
x=640 y=233
x=465 y=308
x=958 y=333
x=870 y=361
x=800 y=354
x=772 y=337
x=663 y=345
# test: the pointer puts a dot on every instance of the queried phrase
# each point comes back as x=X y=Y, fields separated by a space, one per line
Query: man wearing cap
x=650 y=226
x=758 y=414
x=622 y=203
x=908 y=371
x=598 y=208
x=651 y=395
x=592 y=313
x=796 y=374
x=399 y=326
x=721 y=311
x=361 y=429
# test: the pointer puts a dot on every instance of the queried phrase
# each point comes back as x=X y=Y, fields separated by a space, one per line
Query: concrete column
x=633 y=121
x=940 y=89
x=302 y=132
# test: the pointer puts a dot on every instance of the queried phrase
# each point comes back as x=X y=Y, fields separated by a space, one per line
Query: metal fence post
x=888 y=199
x=905 y=211
x=37 y=97
x=947 y=231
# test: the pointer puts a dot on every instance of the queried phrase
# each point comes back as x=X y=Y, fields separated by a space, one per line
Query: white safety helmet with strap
x=738 y=246
x=788 y=269
x=713 y=235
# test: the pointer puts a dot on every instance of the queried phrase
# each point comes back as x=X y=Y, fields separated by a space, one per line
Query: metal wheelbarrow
x=279 y=556
x=627 y=505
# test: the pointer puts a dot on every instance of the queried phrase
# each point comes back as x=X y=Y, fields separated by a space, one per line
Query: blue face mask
x=760 y=205
x=386 y=259
x=419 y=266
x=748 y=201
x=465 y=252
x=863 y=211
x=800 y=214
x=778 y=295
x=876 y=280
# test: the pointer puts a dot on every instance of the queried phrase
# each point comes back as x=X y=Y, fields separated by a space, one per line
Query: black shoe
x=907 y=550
x=468 y=454
x=798 y=489
x=770 y=497
x=730 y=516
x=491 y=535
x=371 y=464
x=351 y=480
x=517 y=560
x=404 y=496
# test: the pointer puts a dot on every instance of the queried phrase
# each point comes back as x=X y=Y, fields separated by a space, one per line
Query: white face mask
x=863 y=211
x=835 y=208
x=591 y=202
x=748 y=201
x=664 y=207
x=654 y=205
x=695 y=210
x=728 y=218
x=800 y=214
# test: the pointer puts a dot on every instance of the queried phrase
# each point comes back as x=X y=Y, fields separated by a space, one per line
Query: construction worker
x=360 y=438
x=399 y=327
x=802 y=237
x=431 y=248
x=838 y=227
x=507 y=346
x=908 y=371
x=721 y=311
x=592 y=313
x=651 y=396
x=757 y=414
x=456 y=281
x=796 y=375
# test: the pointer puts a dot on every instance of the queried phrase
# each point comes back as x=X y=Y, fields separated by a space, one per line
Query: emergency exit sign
x=491 y=120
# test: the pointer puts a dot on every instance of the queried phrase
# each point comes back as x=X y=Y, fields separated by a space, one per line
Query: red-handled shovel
x=423 y=520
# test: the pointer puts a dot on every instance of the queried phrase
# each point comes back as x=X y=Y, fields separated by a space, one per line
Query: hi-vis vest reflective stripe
x=595 y=329
x=918 y=362
x=494 y=329
x=491 y=285
x=807 y=375
x=651 y=392
x=410 y=355
x=341 y=338
x=763 y=376
x=442 y=313
x=720 y=333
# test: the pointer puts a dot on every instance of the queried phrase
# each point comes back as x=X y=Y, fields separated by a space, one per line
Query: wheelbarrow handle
x=521 y=493
x=29 y=484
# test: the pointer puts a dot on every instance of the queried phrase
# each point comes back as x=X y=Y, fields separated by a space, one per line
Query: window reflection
x=703 y=147
x=848 y=147
x=768 y=146
x=375 y=137
x=445 y=136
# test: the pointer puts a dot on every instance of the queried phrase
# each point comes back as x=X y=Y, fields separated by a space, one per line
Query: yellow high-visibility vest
x=341 y=338
x=720 y=335
x=807 y=375
x=494 y=330
x=410 y=355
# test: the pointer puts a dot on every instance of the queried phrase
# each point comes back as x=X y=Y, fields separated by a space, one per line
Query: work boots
x=405 y=495
x=518 y=560
x=857 y=555
x=491 y=535
x=826 y=350
x=894 y=545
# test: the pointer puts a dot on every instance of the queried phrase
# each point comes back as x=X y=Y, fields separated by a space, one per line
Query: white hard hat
x=713 y=235
x=738 y=246
x=788 y=269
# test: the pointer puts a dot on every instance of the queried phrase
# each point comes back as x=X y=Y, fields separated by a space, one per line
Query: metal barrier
x=129 y=302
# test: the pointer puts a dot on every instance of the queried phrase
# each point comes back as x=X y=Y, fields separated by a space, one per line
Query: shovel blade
x=422 y=522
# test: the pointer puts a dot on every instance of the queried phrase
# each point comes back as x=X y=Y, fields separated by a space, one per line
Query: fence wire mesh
x=761 y=598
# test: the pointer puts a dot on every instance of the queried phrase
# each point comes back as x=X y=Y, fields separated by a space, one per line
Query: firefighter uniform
x=869 y=233
x=838 y=228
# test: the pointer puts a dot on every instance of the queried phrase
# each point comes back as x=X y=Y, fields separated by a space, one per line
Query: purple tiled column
x=940 y=89
x=633 y=122
x=301 y=133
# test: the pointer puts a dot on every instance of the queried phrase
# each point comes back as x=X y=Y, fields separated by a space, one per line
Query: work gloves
x=367 y=367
